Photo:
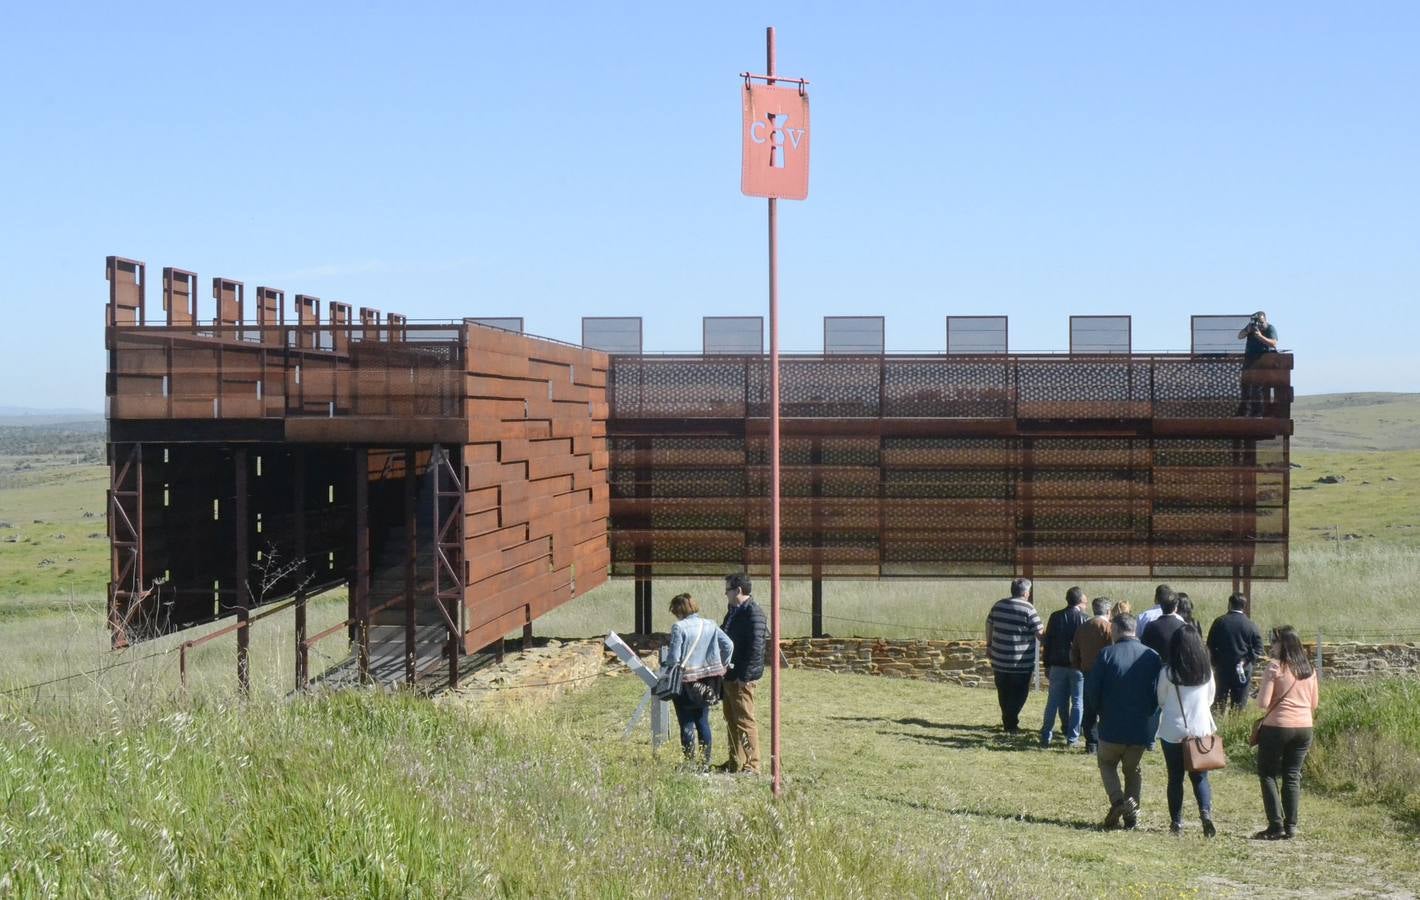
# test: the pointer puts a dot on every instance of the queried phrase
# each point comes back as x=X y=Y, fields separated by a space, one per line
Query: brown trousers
x=741 y=731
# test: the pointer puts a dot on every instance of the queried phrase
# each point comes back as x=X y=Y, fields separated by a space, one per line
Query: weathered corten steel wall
x=541 y=467
x=1144 y=466
x=536 y=513
x=233 y=441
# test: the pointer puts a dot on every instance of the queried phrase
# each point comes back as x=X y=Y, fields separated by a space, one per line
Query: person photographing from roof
x=1261 y=337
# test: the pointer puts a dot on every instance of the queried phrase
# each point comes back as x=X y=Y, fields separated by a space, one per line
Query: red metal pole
x=776 y=770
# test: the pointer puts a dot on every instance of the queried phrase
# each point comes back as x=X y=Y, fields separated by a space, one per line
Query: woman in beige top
x=1289 y=694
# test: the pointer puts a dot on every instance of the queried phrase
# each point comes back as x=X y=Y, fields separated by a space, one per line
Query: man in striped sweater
x=1013 y=629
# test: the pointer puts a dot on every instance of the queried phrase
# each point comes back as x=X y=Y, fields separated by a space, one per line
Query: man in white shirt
x=1153 y=612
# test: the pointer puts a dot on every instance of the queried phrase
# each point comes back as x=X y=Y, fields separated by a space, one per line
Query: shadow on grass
x=997 y=816
x=921 y=723
x=960 y=736
x=1030 y=819
x=995 y=742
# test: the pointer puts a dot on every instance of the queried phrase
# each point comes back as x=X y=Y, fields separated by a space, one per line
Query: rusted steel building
x=463 y=478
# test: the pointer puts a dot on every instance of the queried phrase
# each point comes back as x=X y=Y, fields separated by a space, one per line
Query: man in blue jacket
x=746 y=625
x=1121 y=687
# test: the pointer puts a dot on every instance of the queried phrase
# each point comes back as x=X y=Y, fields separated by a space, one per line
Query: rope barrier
x=98 y=671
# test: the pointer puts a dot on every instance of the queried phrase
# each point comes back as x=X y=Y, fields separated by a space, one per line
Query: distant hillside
x=1361 y=421
x=66 y=412
x=40 y=418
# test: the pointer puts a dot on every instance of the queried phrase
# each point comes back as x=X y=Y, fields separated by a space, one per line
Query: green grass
x=895 y=788
x=120 y=782
x=1357 y=421
x=1351 y=588
x=1365 y=747
x=72 y=650
x=1369 y=507
x=53 y=537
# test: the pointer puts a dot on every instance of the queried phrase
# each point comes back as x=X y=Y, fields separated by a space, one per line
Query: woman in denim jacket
x=703 y=651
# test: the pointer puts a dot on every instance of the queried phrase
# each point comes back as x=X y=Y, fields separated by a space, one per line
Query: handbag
x=671 y=681
x=1200 y=754
x=1256 y=736
x=705 y=692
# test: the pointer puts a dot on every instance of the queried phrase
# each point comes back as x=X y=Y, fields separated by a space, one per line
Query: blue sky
x=1029 y=160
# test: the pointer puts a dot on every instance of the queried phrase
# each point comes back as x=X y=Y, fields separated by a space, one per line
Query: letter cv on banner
x=775 y=159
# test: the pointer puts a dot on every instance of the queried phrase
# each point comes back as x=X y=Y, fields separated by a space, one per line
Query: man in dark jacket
x=747 y=627
x=1121 y=687
x=1160 y=631
x=1234 y=643
x=1067 y=684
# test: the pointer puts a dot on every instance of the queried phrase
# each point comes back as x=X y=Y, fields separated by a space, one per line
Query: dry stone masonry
x=965 y=662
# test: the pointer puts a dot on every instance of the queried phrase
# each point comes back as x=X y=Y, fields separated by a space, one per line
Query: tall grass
x=1366 y=743
x=68 y=656
x=1339 y=591
x=125 y=786
x=374 y=794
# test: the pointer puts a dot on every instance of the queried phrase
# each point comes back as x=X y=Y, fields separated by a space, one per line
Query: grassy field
x=53 y=537
x=118 y=781
x=1349 y=590
x=895 y=788
x=1357 y=421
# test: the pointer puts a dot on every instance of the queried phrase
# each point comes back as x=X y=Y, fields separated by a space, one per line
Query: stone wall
x=958 y=662
x=1345 y=659
x=965 y=662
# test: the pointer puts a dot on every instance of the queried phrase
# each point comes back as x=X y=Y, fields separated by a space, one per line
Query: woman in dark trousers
x=1185 y=689
x=703 y=651
x=1289 y=693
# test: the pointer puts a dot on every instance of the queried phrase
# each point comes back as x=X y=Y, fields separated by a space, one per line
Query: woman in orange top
x=1289 y=694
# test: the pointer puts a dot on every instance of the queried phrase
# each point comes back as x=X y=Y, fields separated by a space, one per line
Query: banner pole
x=774 y=674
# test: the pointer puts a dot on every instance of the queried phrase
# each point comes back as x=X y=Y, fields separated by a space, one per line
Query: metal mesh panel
x=612 y=334
x=955 y=388
x=883 y=475
x=1099 y=334
x=822 y=388
x=1198 y=388
x=733 y=334
x=1217 y=334
x=853 y=335
x=976 y=334
x=1083 y=388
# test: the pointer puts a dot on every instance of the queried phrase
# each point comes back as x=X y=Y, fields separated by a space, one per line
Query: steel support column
x=125 y=529
x=449 y=574
x=362 y=562
x=241 y=570
x=303 y=655
x=411 y=496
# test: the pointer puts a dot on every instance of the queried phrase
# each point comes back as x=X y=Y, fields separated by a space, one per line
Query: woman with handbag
x=1187 y=732
x=697 y=655
x=1289 y=693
